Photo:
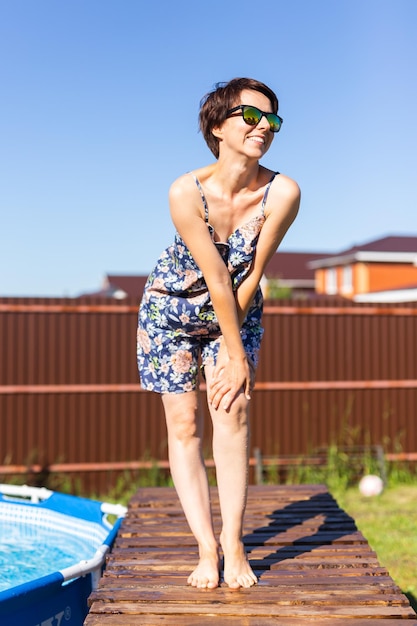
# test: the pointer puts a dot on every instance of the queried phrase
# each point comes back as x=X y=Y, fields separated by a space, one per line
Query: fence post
x=259 y=474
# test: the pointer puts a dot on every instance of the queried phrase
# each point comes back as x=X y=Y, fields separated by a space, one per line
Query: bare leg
x=185 y=430
x=231 y=453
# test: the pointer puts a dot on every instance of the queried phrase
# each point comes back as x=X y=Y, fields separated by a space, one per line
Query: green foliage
x=344 y=462
x=129 y=482
x=342 y=469
x=276 y=291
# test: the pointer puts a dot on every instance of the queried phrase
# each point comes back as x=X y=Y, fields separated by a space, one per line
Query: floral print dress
x=177 y=323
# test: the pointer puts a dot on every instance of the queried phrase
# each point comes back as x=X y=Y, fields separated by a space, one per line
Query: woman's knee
x=234 y=419
x=182 y=417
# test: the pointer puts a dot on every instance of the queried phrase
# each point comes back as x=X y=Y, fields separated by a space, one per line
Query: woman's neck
x=234 y=176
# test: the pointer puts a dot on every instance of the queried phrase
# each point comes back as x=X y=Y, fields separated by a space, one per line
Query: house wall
x=70 y=402
x=383 y=276
x=320 y=281
x=330 y=281
x=367 y=277
x=361 y=280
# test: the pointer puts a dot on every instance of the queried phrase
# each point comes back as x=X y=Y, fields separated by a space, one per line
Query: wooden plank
x=298 y=579
x=281 y=594
x=266 y=609
x=230 y=620
x=312 y=563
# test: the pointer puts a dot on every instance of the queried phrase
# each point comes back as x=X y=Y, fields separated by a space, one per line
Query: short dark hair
x=216 y=103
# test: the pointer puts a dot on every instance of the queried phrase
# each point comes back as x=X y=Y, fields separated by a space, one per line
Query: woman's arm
x=185 y=207
x=283 y=205
x=282 y=208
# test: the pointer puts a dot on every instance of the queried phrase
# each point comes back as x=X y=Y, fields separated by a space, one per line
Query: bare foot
x=237 y=571
x=206 y=575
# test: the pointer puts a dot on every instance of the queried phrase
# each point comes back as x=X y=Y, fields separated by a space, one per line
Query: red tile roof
x=386 y=248
x=123 y=286
x=293 y=265
x=407 y=243
x=132 y=285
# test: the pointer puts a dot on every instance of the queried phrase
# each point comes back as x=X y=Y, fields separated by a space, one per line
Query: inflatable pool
x=52 y=552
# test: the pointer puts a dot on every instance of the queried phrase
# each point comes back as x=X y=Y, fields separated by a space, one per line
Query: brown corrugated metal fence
x=70 y=398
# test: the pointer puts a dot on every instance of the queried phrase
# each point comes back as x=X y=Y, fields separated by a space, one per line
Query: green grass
x=389 y=523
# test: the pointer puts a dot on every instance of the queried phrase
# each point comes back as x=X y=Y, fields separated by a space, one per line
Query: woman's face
x=236 y=134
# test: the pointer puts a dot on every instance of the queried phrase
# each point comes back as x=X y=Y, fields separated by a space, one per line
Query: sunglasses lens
x=274 y=122
x=252 y=115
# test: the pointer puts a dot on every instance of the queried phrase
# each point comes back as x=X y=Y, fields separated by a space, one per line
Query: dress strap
x=264 y=199
x=203 y=197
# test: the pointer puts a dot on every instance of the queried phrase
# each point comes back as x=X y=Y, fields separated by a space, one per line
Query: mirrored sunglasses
x=253 y=115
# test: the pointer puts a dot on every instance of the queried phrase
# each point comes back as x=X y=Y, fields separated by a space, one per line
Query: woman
x=203 y=300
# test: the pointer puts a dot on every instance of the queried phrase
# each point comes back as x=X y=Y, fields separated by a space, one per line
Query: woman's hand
x=230 y=377
x=222 y=358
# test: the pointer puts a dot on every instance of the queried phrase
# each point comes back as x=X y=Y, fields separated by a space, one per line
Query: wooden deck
x=313 y=565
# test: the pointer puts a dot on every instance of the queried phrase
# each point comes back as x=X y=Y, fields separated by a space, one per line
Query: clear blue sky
x=99 y=104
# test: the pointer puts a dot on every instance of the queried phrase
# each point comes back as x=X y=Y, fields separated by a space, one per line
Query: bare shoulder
x=284 y=197
x=285 y=186
x=185 y=204
x=186 y=183
x=184 y=199
x=182 y=187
